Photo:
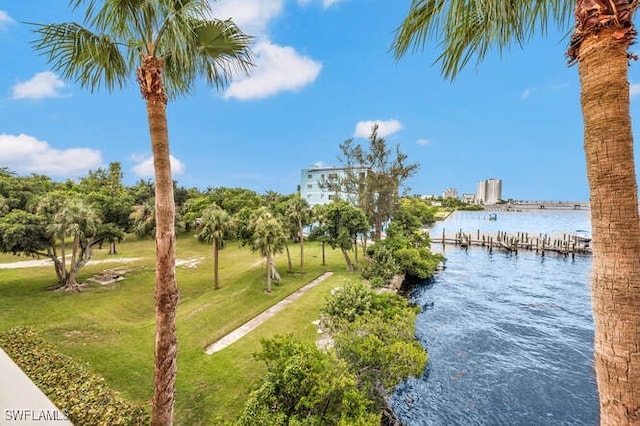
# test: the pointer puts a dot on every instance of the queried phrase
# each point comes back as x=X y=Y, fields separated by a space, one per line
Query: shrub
x=381 y=268
x=84 y=397
x=305 y=386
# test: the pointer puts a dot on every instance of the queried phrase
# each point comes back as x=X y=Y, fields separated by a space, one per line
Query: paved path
x=22 y=402
x=244 y=329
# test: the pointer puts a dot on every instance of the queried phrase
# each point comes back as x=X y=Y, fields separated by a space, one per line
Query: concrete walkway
x=247 y=327
x=22 y=402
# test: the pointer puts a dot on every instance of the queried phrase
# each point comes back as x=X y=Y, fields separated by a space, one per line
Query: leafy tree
x=22 y=192
x=235 y=199
x=305 y=386
x=215 y=223
x=268 y=239
x=60 y=217
x=375 y=334
x=374 y=177
x=343 y=224
x=382 y=267
x=111 y=198
x=169 y=44
x=603 y=33
x=413 y=213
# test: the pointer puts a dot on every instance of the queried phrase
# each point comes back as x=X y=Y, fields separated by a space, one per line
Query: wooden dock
x=562 y=244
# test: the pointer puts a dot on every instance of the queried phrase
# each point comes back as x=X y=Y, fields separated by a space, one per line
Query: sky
x=324 y=73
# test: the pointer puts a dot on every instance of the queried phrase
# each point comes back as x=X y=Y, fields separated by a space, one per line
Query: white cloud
x=278 y=68
x=526 y=93
x=5 y=20
x=634 y=89
x=42 y=85
x=423 y=142
x=24 y=153
x=252 y=16
x=385 y=128
x=325 y=3
x=145 y=167
x=329 y=3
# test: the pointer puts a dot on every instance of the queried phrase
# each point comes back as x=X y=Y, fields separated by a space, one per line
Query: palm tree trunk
x=268 y=290
x=301 y=248
x=323 y=257
x=216 y=278
x=166 y=288
x=615 y=289
x=286 y=247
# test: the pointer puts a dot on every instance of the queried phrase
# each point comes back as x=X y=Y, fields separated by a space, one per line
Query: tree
x=143 y=219
x=303 y=385
x=343 y=223
x=109 y=196
x=214 y=224
x=268 y=239
x=298 y=212
x=602 y=35
x=373 y=177
x=319 y=215
x=60 y=216
x=169 y=44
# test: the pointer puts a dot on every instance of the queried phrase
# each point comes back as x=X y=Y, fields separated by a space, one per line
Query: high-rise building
x=489 y=191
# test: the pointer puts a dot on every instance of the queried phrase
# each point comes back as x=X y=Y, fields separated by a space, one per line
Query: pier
x=562 y=244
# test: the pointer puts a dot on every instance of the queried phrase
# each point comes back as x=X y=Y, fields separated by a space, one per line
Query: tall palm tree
x=602 y=35
x=268 y=239
x=214 y=223
x=168 y=44
x=299 y=212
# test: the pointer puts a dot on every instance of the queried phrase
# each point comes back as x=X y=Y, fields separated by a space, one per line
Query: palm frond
x=467 y=29
x=90 y=59
x=215 y=49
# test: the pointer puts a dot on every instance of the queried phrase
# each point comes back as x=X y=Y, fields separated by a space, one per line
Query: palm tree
x=298 y=211
x=602 y=35
x=319 y=215
x=214 y=223
x=69 y=218
x=268 y=239
x=168 y=44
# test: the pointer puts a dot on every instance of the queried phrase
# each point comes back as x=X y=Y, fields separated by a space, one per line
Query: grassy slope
x=112 y=327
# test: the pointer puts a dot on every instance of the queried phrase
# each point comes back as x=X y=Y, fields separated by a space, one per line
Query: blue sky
x=324 y=73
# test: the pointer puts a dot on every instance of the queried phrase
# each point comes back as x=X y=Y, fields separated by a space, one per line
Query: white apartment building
x=450 y=193
x=313 y=180
x=489 y=191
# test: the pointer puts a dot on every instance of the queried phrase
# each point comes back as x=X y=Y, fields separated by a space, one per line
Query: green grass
x=112 y=327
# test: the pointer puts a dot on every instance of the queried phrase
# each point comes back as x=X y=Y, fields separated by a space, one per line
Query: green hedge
x=84 y=397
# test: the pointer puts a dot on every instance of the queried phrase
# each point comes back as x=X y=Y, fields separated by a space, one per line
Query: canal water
x=509 y=337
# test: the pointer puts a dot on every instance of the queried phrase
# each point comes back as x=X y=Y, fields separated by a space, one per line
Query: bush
x=348 y=302
x=305 y=386
x=84 y=397
x=381 y=268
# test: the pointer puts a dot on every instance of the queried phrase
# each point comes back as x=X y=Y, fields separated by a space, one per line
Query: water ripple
x=510 y=342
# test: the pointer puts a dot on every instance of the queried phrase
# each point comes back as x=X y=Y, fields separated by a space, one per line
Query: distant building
x=450 y=193
x=468 y=198
x=489 y=191
x=313 y=183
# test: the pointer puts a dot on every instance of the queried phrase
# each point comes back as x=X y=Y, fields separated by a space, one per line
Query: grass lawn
x=112 y=327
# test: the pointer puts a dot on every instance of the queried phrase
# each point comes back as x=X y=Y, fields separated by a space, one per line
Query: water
x=510 y=338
